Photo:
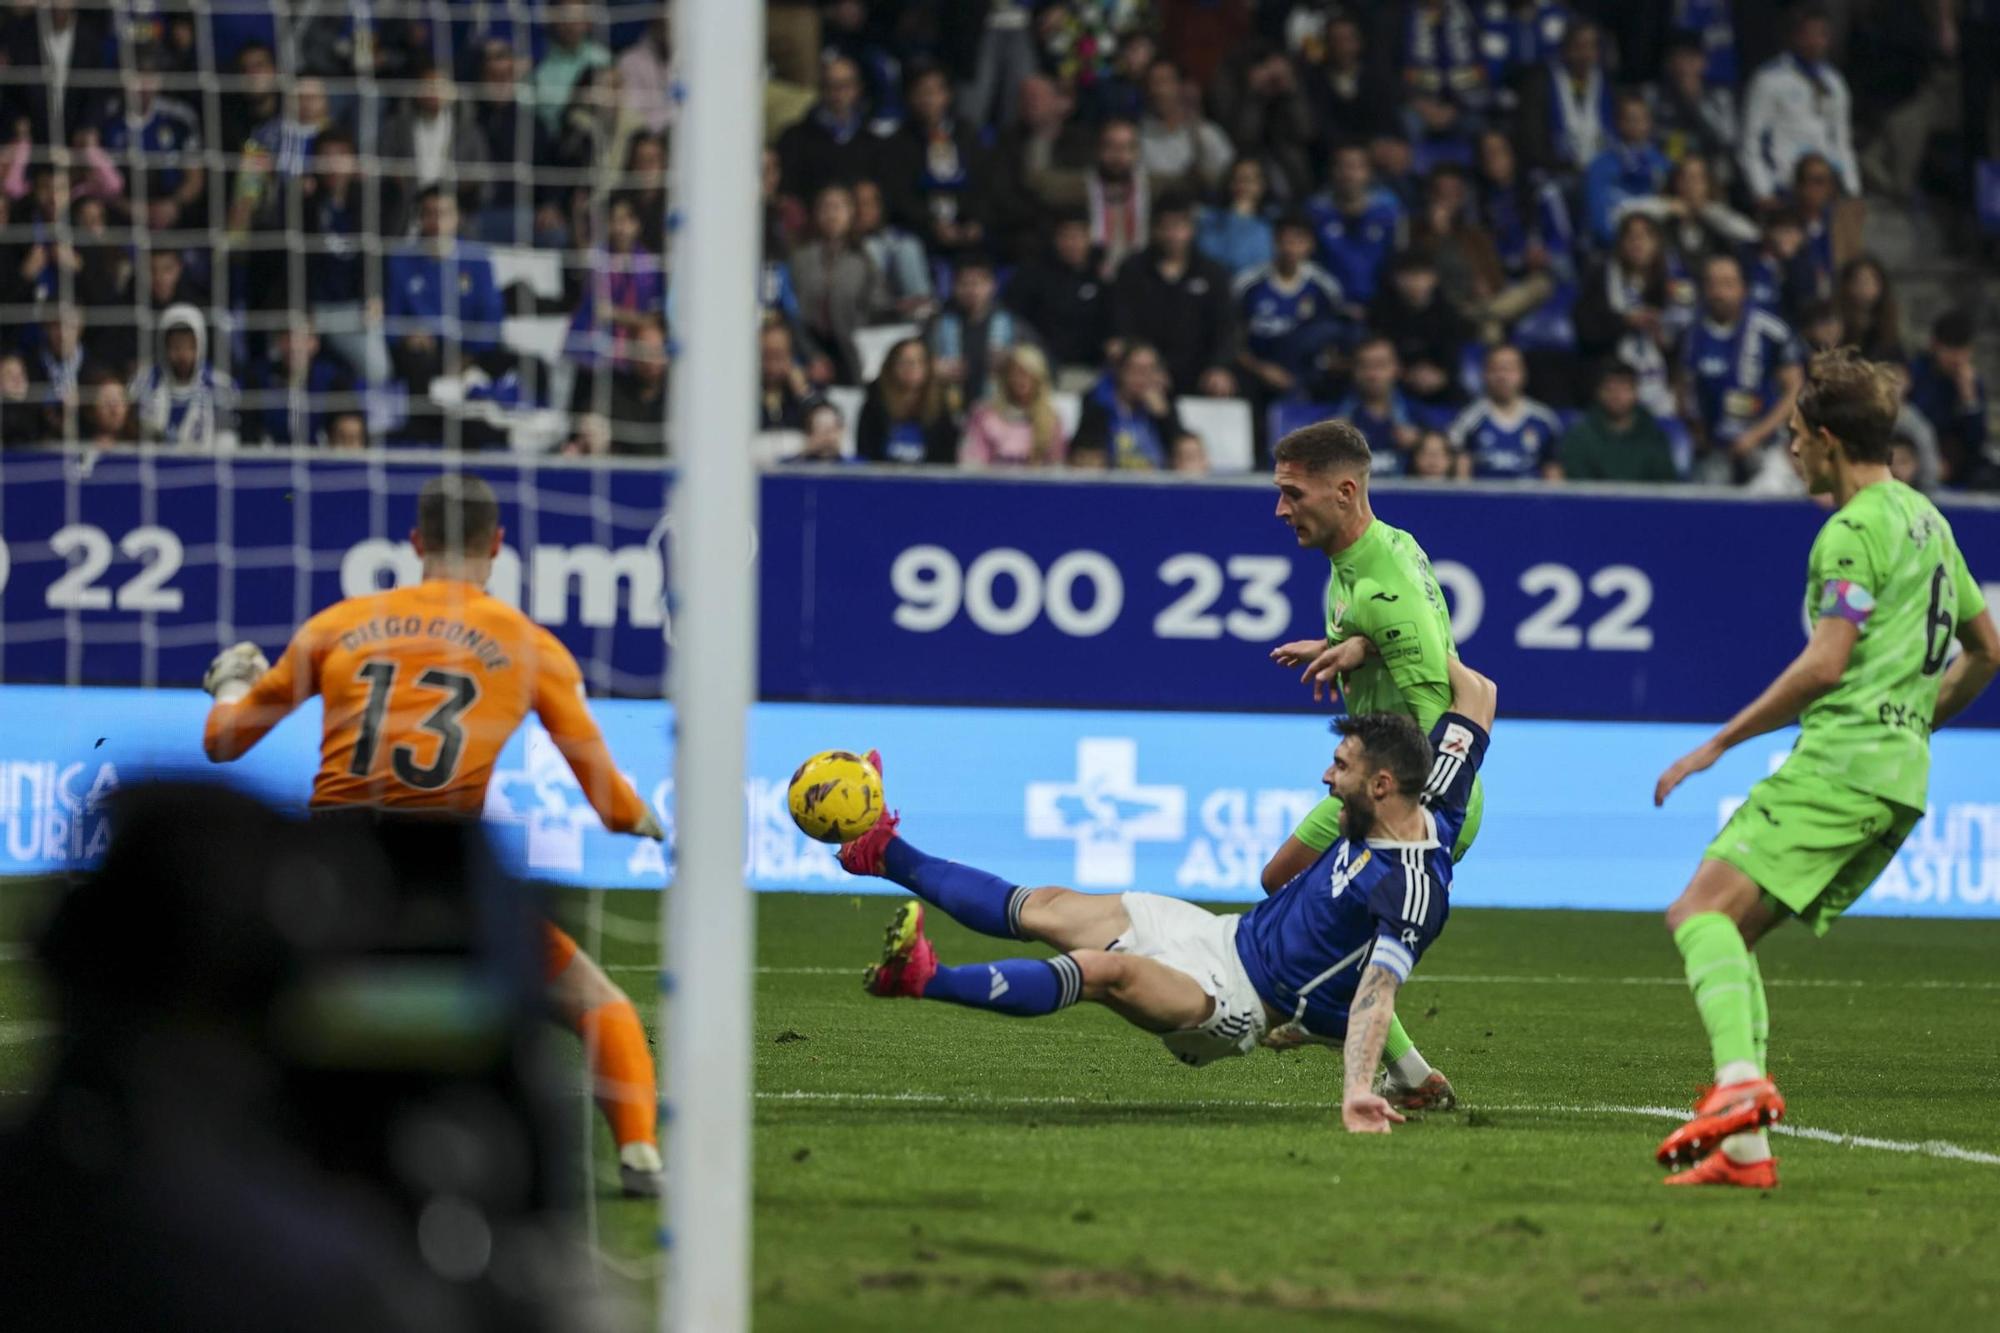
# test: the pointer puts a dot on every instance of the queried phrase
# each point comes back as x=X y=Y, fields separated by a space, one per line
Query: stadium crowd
x=1507 y=238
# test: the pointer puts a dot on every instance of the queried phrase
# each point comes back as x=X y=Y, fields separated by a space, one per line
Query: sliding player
x=1381 y=592
x=422 y=687
x=1886 y=592
x=1320 y=960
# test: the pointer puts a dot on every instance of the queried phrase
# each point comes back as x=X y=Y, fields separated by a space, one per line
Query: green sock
x=1719 y=972
x=1397 y=1043
x=1760 y=1017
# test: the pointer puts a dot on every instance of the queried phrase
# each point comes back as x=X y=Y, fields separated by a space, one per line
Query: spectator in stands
x=839 y=288
x=570 y=52
x=591 y=148
x=58 y=59
x=161 y=138
x=443 y=306
x=1062 y=297
x=1694 y=219
x=1797 y=104
x=1129 y=418
x=168 y=282
x=646 y=77
x=1566 y=107
x=182 y=400
x=1446 y=231
x=785 y=219
x=107 y=419
x=825 y=434
x=1180 y=301
x=1914 y=434
x=1438 y=53
x=1016 y=424
x=833 y=144
x=1528 y=221
x=56 y=372
x=1351 y=93
x=1429 y=336
x=1504 y=433
x=1190 y=456
x=898 y=256
x=254 y=99
x=503 y=110
x=424 y=145
x=1945 y=385
x=783 y=392
x=1359 y=225
x=1236 y=234
x=347 y=430
x=1820 y=328
x=907 y=415
x=287 y=138
x=1617 y=439
x=1779 y=267
x=1629 y=167
x=1626 y=310
x=1378 y=409
x=1740 y=373
x=1091 y=456
x=933 y=170
x=624 y=289
x=1711 y=26
x=1290 y=313
x=104 y=267
x=967 y=336
x=1433 y=458
x=1174 y=138
x=638 y=407
x=1117 y=191
x=1869 y=315
x=1695 y=118
x=1121 y=93
x=1262 y=106
x=347 y=313
x=20 y=415
x=291 y=395
x=1816 y=198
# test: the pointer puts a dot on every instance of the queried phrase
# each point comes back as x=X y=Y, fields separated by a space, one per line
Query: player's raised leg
x=1061 y=918
x=1146 y=993
x=621 y=1064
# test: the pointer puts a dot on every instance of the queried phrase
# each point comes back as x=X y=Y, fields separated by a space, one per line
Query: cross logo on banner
x=1106 y=811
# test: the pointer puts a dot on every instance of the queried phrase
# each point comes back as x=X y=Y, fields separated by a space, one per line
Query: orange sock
x=622 y=1071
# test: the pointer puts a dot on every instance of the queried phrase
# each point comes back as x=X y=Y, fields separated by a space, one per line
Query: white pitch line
x=1927 y=1148
x=1491 y=979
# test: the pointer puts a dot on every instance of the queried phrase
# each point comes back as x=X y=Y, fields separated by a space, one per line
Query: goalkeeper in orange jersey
x=422 y=687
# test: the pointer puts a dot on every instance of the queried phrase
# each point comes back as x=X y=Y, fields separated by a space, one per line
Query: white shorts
x=1202 y=945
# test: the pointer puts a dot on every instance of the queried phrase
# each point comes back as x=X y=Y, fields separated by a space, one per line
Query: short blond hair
x=1852 y=399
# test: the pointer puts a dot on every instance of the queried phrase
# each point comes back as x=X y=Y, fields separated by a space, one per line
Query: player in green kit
x=1886 y=593
x=1388 y=640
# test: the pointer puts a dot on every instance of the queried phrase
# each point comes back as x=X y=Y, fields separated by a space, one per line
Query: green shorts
x=1321 y=826
x=1812 y=844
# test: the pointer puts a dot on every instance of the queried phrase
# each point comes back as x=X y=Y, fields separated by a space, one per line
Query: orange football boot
x=1718 y=1169
x=1722 y=1111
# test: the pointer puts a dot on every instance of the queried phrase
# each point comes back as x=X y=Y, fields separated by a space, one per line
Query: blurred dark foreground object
x=295 y=1089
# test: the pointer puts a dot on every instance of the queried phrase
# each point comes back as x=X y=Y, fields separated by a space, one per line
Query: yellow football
x=835 y=796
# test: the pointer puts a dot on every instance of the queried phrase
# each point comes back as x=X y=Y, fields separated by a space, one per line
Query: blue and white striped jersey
x=1509 y=442
x=1375 y=902
x=1734 y=370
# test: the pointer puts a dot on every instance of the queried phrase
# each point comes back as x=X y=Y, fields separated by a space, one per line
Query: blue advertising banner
x=1185 y=804
x=1169 y=596
x=926 y=590
x=135 y=569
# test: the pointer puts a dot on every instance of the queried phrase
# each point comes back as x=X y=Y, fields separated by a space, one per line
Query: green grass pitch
x=919 y=1165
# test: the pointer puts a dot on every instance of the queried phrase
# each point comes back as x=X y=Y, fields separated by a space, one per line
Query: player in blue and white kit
x=1504 y=433
x=1740 y=375
x=1318 y=961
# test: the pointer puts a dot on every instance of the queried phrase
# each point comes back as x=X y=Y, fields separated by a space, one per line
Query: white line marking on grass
x=1927 y=1148
x=1490 y=979
x=20 y=1033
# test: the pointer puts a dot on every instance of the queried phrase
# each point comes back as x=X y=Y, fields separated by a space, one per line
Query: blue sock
x=986 y=903
x=1024 y=987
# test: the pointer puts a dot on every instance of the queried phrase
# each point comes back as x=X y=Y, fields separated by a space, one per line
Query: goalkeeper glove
x=649 y=827
x=233 y=671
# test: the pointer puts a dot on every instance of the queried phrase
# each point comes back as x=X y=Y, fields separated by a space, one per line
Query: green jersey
x=1382 y=587
x=1887 y=563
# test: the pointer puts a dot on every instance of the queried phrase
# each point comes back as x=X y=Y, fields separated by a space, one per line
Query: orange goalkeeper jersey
x=422 y=687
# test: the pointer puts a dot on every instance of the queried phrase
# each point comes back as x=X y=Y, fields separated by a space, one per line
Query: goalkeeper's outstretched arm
x=560 y=705
x=251 y=697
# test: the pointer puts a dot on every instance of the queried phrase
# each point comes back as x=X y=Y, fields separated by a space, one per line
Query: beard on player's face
x=1357 y=816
